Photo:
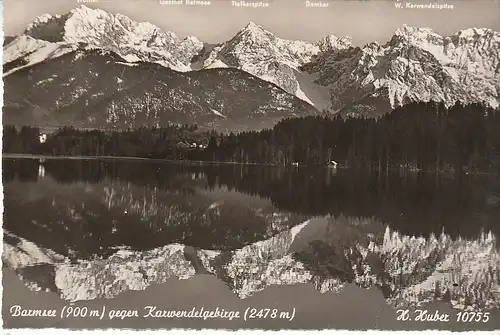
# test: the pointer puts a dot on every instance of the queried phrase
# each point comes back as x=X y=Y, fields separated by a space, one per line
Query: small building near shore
x=183 y=145
x=333 y=164
x=42 y=138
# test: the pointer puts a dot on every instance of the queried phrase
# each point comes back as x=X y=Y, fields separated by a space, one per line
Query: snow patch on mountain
x=22 y=46
x=297 y=229
x=300 y=94
x=309 y=91
x=127 y=64
x=216 y=64
x=218 y=113
x=29 y=51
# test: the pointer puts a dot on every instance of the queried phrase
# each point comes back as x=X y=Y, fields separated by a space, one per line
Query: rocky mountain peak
x=409 y=35
x=42 y=19
x=332 y=42
x=254 y=32
x=483 y=39
x=193 y=40
x=132 y=40
x=426 y=38
x=407 y=30
x=253 y=26
x=85 y=10
x=47 y=27
x=477 y=32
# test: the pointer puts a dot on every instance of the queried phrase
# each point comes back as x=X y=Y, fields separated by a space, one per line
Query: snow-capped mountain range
x=416 y=64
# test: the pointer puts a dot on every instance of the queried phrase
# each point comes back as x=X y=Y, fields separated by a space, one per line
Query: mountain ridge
x=415 y=64
x=112 y=93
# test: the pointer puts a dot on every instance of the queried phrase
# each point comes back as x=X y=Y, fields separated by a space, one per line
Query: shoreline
x=201 y=163
x=186 y=162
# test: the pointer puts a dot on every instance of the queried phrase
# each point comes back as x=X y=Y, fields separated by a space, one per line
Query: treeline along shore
x=418 y=136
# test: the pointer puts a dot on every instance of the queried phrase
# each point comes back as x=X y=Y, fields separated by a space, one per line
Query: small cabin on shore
x=333 y=164
x=188 y=145
x=295 y=164
x=42 y=138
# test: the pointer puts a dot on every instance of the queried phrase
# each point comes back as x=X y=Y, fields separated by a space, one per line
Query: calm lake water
x=129 y=224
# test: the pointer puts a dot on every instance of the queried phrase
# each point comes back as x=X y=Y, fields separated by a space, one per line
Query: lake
x=88 y=231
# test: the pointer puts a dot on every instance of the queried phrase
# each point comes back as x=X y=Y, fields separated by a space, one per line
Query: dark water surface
x=91 y=231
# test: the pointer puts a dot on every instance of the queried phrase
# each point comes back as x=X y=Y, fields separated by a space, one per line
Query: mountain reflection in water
x=94 y=229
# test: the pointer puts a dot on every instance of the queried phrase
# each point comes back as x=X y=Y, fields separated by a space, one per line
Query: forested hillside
x=423 y=136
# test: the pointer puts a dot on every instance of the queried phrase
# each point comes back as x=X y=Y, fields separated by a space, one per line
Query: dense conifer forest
x=420 y=136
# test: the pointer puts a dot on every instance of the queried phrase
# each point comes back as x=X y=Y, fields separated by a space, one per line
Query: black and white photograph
x=251 y=164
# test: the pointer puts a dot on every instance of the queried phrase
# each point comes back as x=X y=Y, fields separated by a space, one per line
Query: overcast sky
x=364 y=21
